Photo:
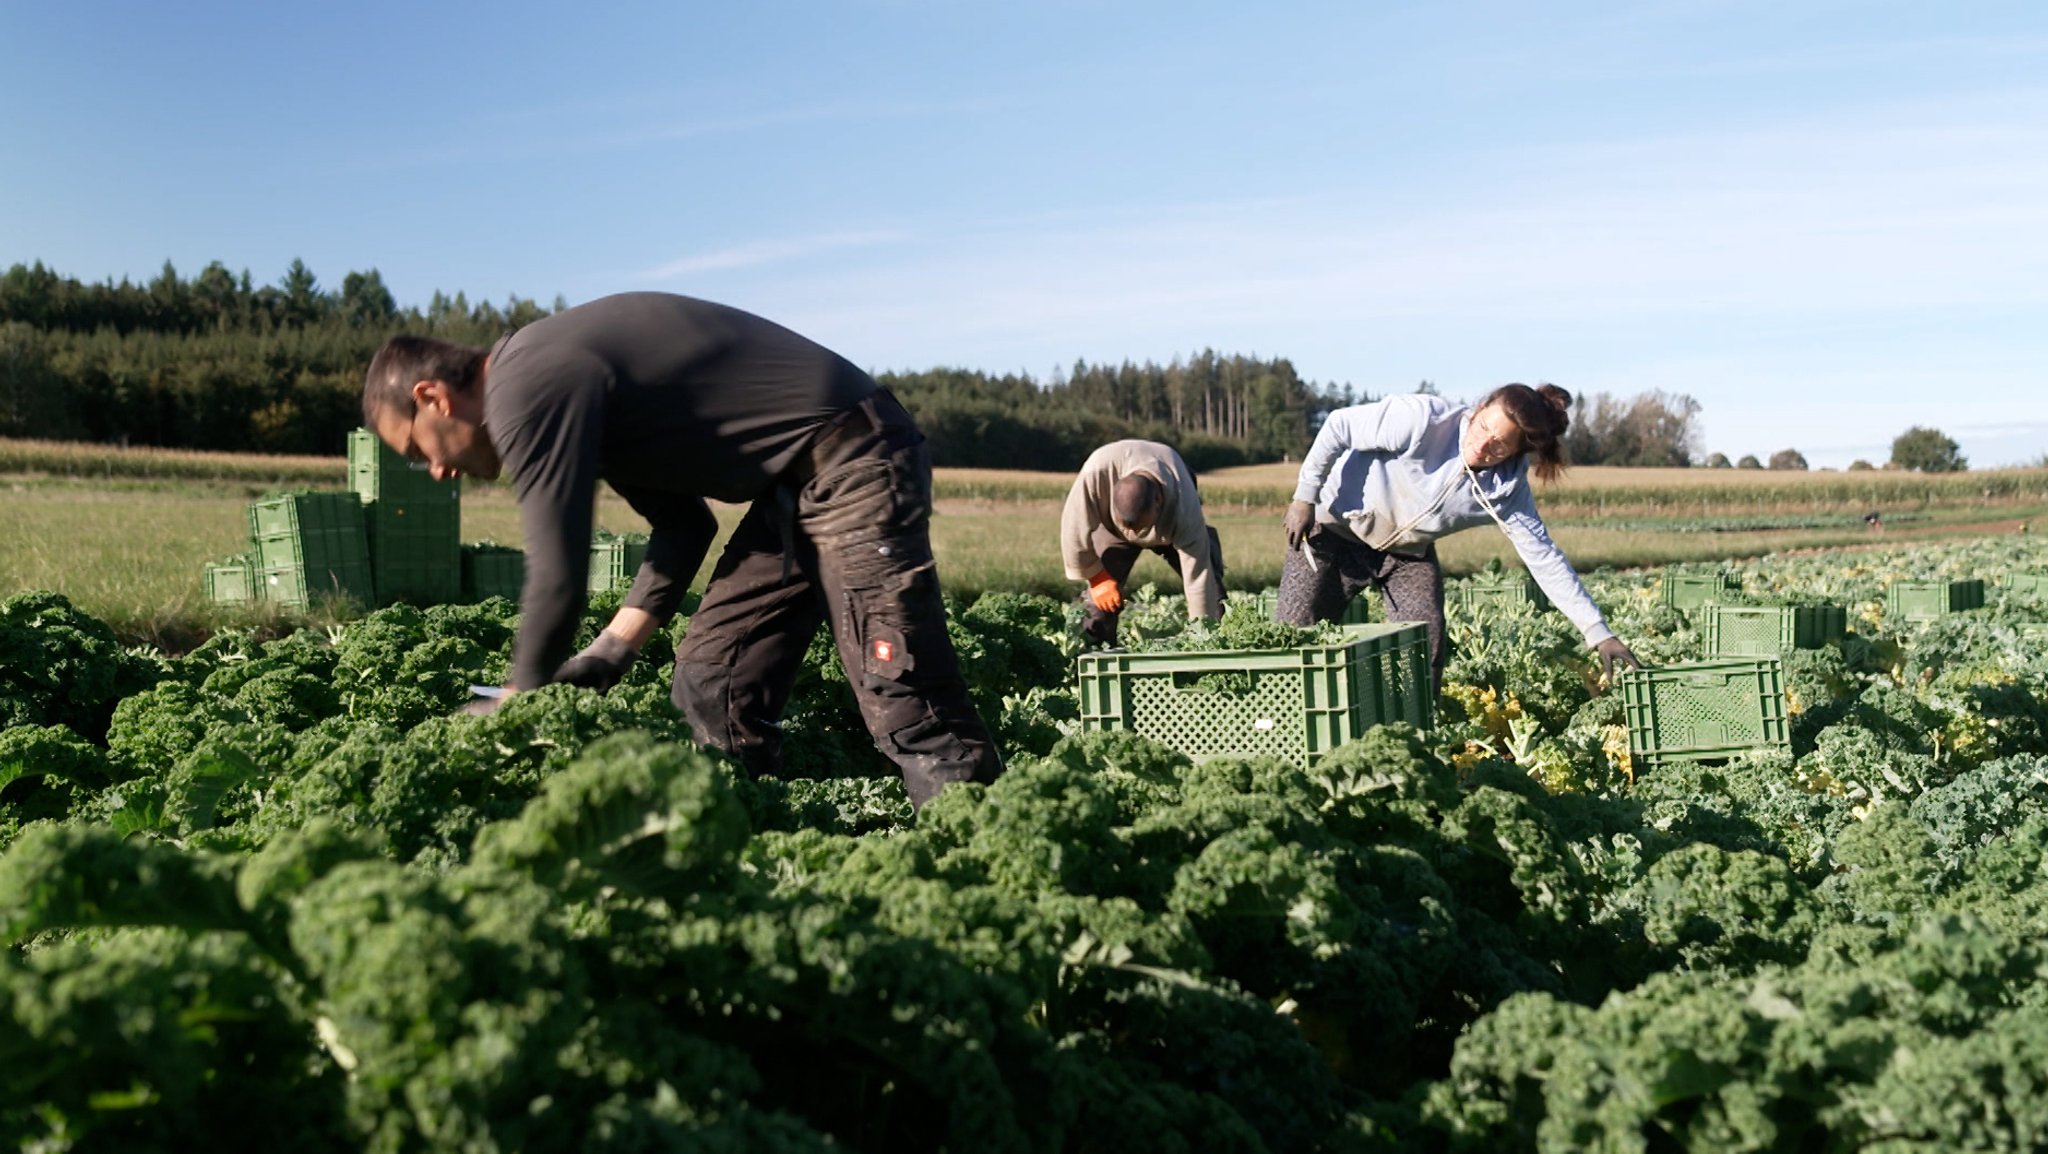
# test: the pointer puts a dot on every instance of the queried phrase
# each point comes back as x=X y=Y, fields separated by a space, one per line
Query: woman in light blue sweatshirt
x=1383 y=481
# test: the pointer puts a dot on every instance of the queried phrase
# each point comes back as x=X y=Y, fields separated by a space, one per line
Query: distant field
x=124 y=533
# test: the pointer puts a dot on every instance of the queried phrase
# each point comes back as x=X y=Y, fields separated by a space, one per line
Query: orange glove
x=1103 y=591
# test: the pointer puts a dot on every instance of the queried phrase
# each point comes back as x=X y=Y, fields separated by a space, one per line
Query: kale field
x=277 y=893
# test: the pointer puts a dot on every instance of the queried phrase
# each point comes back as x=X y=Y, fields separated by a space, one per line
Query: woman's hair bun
x=1559 y=399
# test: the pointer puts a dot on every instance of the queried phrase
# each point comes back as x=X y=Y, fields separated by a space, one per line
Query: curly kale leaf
x=42 y=767
x=68 y=877
x=155 y=1039
x=1042 y=825
x=61 y=666
x=449 y=1000
x=1979 y=806
x=152 y=730
x=1887 y=871
x=631 y=813
x=847 y=805
x=1702 y=907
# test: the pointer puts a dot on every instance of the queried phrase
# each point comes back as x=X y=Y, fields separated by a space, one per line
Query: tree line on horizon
x=219 y=362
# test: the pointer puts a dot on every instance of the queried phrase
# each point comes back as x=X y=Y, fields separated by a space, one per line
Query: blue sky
x=1826 y=222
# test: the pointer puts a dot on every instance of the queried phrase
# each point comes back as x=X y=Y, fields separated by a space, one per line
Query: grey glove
x=1611 y=651
x=600 y=666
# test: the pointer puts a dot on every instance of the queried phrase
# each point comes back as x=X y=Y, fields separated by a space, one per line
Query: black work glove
x=600 y=666
x=1611 y=651
x=1301 y=517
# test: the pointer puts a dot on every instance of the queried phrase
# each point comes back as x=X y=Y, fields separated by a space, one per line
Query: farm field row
x=130 y=549
x=278 y=892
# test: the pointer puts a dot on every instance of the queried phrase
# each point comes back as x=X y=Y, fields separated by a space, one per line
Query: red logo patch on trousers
x=884 y=651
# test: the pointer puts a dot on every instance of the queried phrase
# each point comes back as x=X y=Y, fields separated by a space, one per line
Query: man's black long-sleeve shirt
x=668 y=399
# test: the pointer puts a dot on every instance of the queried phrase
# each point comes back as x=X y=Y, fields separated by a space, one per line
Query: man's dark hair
x=1136 y=498
x=405 y=359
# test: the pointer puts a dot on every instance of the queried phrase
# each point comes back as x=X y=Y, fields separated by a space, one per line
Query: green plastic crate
x=1293 y=703
x=1757 y=630
x=377 y=473
x=415 y=551
x=413 y=524
x=614 y=560
x=1473 y=595
x=232 y=581
x=492 y=570
x=1704 y=710
x=1926 y=600
x=308 y=545
x=2027 y=584
x=1692 y=590
x=1359 y=612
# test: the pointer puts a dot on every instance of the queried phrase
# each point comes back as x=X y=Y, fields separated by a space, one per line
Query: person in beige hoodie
x=1135 y=497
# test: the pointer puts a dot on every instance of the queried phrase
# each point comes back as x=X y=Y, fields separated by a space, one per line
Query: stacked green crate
x=307 y=546
x=1757 y=630
x=1293 y=703
x=615 y=559
x=492 y=570
x=414 y=524
x=1927 y=600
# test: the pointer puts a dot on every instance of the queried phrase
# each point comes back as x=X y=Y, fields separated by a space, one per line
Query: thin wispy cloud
x=767 y=252
x=1815 y=282
x=1832 y=218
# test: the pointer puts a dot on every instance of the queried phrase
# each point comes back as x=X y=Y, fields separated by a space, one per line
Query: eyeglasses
x=1503 y=439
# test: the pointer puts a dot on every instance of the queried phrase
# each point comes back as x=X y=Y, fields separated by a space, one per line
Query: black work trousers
x=1413 y=587
x=1118 y=558
x=845 y=539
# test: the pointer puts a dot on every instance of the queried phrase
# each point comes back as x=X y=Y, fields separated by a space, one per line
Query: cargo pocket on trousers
x=883 y=610
x=885 y=651
x=897 y=692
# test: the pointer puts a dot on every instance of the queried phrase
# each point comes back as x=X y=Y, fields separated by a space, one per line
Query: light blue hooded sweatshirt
x=1392 y=474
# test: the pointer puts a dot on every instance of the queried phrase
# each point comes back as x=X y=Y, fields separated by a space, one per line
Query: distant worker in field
x=1875 y=523
x=1135 y=497
x=671 y=400
x=1384 y=480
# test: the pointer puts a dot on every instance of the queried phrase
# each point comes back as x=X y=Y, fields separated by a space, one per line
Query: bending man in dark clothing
x=672 y=400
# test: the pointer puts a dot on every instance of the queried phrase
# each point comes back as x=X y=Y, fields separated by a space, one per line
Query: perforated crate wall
x=310 y=544
x=1471 y=596
x=415 y=551
x=1925 y=600
x=377 y=473
x=231 y=582
x=1406 y=681
x=1293 y=703
x=1692 y=590
x=491 y=570
x=1740 y=630
x=2028 y=584
x=1704 y=710
x=615 y=560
